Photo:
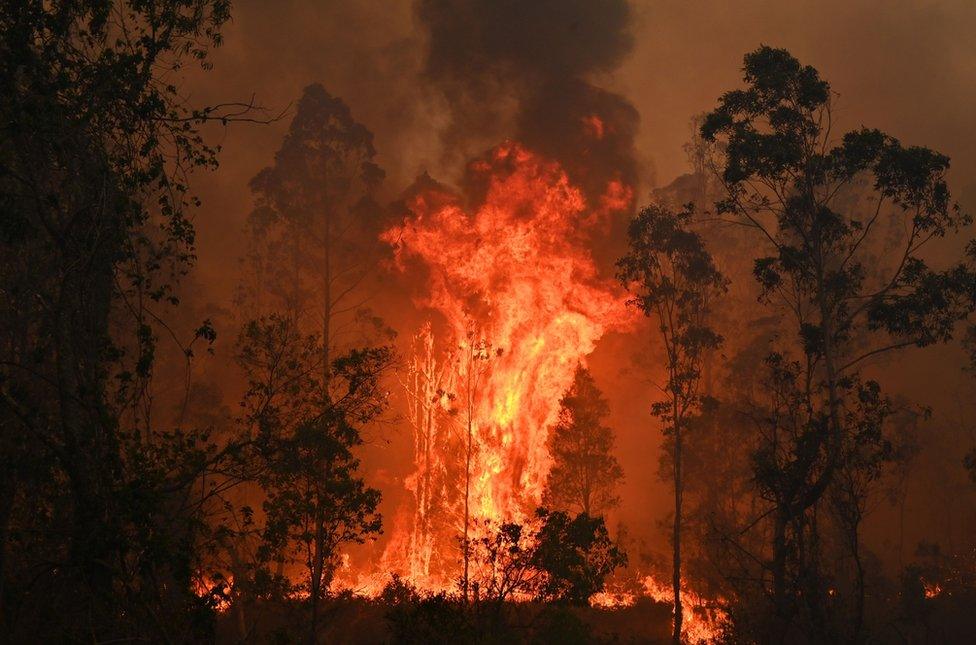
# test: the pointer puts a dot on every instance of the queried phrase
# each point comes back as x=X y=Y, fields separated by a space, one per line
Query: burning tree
x=584 y=472
x=476 y=353
x=431 y=405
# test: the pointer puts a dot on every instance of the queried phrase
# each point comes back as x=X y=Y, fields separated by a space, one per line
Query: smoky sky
x=527 y=70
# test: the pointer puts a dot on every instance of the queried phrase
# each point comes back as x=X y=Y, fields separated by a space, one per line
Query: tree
x=314 y=227
x=674 y=280
x=826 y=210
x=316 y=500
x=312 y=250
x=584 y=472
x=476 y=353
x=95 y=156
x=866 y=453
x=553 y=558
x=576 y=555
x=502 y=558
x=785 y=422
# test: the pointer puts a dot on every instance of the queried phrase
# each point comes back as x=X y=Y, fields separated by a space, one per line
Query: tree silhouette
x=97 y=149
x=841 y=224
x=674 y=280
x=315 y=498
x=313 y=229
x=576 y=555
x=312 y=251
x=584 y=473
x=556 y=557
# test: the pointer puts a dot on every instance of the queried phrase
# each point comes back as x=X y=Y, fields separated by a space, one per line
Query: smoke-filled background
x=491 y=319
x=438 y=85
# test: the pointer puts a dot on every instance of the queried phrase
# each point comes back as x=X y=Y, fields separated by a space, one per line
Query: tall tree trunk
x=318 y=552
x=855 y=530
x=315 y=583
x=467 y=476
x=92 y=459
x=327 y=308
x=8 y=493
x=676 y=574
x=780 y=549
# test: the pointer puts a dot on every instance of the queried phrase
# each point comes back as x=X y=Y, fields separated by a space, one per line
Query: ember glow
x=703 y=617
x=931 y=589
x=517 y=298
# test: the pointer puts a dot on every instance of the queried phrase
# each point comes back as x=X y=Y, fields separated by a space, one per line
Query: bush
x=560 y=625
x=433 y=619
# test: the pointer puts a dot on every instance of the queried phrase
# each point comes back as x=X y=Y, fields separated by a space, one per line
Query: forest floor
x=359 y=621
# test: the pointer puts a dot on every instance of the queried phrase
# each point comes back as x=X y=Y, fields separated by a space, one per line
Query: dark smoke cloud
x=526 y=70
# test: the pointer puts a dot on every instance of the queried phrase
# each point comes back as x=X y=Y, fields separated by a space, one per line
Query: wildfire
x=518 y=302
x=215 y=589
x=521 y=303
x=701 y=618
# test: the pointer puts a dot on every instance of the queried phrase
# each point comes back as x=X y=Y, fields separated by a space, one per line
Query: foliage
x=843 y=222
x=312 y=233
x=557 y=558
x=313 y=352
x=315 y=498
x=576 y=556
x=502 y=561
x=436 y=618
x=584 y=472
x=674 y=280
x=102 y=509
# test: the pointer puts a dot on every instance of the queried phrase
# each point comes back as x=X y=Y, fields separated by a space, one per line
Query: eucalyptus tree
x=96 y=151
x=674 y=281
x=842 y=225
x=313 y=231
x=315 y=499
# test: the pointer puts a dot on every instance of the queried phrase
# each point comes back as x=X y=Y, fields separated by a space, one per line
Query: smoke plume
x=527 y=70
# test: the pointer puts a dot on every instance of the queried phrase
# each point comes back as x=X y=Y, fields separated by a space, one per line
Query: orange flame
x=702 y=619
x=523 y=303
x=594 y=126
